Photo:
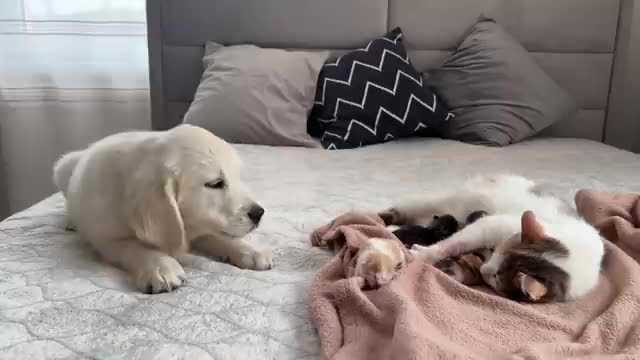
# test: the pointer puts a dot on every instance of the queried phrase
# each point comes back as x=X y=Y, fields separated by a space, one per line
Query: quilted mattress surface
x=57 y=300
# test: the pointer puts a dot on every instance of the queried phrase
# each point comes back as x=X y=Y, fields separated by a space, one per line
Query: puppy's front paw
x=160 y=274
x=253 y=259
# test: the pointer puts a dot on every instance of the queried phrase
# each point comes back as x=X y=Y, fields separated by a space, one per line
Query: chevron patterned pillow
x=373 y=95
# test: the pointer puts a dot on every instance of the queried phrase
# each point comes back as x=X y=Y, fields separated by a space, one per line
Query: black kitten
x=440 y=228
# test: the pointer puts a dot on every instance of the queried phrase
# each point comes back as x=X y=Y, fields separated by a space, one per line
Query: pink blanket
x=424 y=314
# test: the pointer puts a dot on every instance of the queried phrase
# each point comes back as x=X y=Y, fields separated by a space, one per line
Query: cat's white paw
x=415 y=251
x=416 y=247
x=430 y=254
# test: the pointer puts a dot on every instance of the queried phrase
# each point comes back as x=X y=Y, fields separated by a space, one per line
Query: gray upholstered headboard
x=591 y=47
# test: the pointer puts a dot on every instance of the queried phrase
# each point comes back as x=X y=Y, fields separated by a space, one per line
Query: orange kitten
x=379 y=260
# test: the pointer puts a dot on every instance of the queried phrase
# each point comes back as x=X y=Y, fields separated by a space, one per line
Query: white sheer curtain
x=71 y=71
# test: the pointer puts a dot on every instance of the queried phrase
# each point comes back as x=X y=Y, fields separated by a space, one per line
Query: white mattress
x=57 y=300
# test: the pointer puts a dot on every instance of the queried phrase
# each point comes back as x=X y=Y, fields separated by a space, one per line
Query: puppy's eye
x=398 y=266
x=215 y=184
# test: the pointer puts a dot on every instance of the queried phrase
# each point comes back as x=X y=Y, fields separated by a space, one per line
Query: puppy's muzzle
x=255 y=214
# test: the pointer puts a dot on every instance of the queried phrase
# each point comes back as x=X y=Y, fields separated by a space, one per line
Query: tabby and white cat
x=541 y=251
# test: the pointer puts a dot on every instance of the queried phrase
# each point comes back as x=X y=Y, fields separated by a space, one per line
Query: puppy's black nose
x=255 y=213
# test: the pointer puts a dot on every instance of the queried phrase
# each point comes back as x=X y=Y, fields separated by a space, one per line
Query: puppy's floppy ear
x=531 y=287
x=154 y=214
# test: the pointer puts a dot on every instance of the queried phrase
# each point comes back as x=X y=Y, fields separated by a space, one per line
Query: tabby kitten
x=464 y=268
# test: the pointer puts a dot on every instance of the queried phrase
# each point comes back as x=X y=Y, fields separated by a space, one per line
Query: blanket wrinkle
x=424 y=314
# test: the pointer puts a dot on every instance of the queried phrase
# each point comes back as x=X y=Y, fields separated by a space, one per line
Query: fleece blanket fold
x=423 y=314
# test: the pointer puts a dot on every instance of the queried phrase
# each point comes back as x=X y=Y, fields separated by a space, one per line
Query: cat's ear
x=532 y=230
x=531 y=287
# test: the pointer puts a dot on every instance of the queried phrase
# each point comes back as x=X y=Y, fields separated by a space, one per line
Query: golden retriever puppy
x=142 y=198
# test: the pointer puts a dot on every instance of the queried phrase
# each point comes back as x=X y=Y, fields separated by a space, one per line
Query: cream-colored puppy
x=142 y=198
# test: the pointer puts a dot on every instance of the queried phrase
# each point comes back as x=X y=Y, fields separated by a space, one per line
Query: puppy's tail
x=63 y=169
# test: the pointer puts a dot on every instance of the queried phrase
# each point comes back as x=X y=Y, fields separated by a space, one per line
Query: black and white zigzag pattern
x=374 y=95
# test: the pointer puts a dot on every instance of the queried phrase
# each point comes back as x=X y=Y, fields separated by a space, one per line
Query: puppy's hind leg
x=152 y=271
x=240 y=252
x=62 y=172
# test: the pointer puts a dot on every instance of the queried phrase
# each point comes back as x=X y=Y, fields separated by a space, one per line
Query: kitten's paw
x=160 y=274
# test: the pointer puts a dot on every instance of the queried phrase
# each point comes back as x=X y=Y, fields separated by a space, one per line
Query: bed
x=57 y=300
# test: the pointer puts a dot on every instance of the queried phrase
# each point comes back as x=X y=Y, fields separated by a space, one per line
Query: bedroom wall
x=623 y=122
x=4 y=192
x=39 y=132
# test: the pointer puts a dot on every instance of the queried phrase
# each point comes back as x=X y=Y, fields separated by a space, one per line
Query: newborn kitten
x=440 y=228
x=541 y=253
x=465 y=268
x=378 y=261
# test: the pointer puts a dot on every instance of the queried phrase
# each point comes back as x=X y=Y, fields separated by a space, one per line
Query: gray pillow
x=497 y=91
x=255 y=95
